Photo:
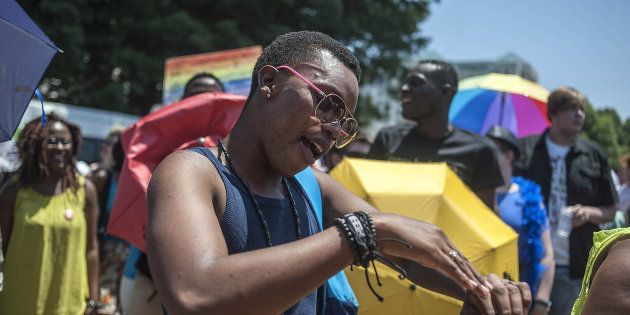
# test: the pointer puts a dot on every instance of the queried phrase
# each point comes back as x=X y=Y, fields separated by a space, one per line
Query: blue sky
x=584 y=44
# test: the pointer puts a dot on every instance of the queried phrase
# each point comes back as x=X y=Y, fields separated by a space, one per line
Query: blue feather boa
x=530 y=246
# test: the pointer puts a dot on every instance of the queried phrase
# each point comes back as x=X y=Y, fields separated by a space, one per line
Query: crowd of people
x=232 y=230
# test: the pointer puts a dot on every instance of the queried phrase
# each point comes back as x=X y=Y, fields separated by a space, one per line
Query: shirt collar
x=578 y=147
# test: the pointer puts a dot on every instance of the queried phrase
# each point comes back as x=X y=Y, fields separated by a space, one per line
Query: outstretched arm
x=338 y=201
x=189 y=258
x=505 y=296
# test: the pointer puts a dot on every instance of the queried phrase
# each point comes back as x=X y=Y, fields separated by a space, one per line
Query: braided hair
x=32 y=145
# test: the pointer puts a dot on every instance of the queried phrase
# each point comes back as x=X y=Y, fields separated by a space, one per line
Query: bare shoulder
x=186 y=199
x=617 y=258
x=186 y=175
x=611 y=283
x=182 y=165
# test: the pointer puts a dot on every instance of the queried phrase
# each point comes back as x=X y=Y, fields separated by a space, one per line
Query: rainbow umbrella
x=500 y=99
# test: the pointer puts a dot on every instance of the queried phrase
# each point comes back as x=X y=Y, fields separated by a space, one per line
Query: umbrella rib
x=20 y=29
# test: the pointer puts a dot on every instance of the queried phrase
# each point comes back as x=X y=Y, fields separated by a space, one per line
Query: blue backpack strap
x=339 y=297
x=307 y=179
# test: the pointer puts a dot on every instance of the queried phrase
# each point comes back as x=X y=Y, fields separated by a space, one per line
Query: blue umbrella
x=25 y=52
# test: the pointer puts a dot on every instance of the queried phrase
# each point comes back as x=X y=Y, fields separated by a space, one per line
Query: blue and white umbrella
x=25 y=53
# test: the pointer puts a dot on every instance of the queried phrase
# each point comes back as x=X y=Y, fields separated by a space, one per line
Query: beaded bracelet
x=362 y=239
x=358 y=228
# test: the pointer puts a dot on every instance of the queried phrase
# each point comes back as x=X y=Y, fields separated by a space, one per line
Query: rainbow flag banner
x=234 y=68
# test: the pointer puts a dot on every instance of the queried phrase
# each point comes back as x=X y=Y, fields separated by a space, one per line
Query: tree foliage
x=114 y=50
x=368 y=111
x=604 y=126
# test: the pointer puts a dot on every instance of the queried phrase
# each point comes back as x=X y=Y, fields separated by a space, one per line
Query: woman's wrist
x=380 y=222
x=542 y=303
x=382 y=225
x=93 y=303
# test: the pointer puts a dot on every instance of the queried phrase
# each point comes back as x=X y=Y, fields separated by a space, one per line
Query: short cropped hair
x=443 y=72
x=562 y=98
x=298 y=47
x=201 y=75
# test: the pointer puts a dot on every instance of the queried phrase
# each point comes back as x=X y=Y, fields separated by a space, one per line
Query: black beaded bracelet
x=358 y=228
x=347 y=233
x=356 y=236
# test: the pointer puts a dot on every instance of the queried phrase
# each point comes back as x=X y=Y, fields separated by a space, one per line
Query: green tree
x=115 y=50
x=367 y=111
x=624 y=137
x=626 y=132
x=604 y=127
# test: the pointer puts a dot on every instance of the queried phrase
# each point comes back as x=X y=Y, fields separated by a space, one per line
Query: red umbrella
x=198 y=120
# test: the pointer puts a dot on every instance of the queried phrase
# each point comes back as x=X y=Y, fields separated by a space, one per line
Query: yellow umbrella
x=507 y=83
x=431 y=192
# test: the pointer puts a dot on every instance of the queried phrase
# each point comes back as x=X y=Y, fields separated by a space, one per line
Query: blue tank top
x=242 y=229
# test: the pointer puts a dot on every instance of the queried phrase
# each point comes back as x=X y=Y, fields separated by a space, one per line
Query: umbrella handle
x=41 y=100
x=501 y=109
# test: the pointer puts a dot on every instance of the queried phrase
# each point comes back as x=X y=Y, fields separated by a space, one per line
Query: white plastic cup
x=565 y=223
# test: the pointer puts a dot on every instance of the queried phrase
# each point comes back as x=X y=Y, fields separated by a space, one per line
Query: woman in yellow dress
x=48 y=219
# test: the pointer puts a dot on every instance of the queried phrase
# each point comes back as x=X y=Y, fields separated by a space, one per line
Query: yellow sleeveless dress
x=45 y=269
x=602 y=241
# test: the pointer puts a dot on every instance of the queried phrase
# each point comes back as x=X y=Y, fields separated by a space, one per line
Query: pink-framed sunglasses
x=332 y=110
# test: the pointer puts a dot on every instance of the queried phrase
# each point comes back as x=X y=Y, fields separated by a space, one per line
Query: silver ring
x=453 y=254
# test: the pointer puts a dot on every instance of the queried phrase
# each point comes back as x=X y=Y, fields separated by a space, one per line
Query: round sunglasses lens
x=331 y=108
x=349 y=128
